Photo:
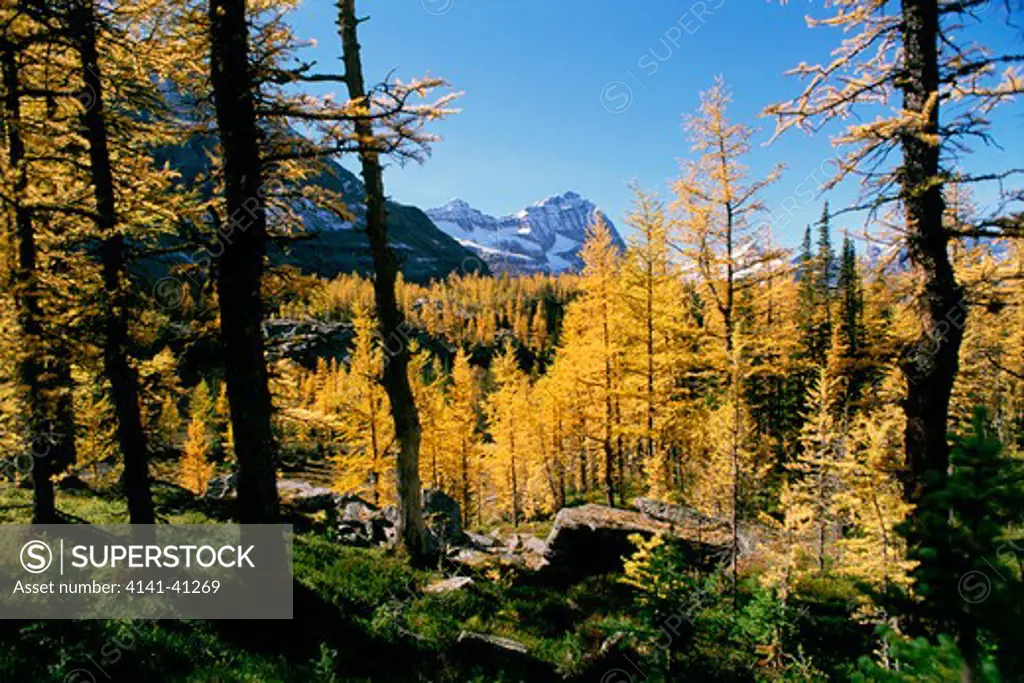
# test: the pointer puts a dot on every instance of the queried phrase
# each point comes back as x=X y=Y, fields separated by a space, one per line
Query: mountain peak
x=569 y=196
x=546 y=236
x=455 y=203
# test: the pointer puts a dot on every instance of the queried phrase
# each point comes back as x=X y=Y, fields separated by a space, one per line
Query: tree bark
x=932 y=365
x=240 y=266
x=65 y=453
x=26 y=291
x=124 y=383
x=465 y=483
x=392 y=324
x=606 y=441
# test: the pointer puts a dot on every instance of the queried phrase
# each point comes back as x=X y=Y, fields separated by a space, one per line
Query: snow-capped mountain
x=543 y=237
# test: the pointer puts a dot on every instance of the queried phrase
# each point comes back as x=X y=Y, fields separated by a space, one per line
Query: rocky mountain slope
x=544 y=237
x=424 y=252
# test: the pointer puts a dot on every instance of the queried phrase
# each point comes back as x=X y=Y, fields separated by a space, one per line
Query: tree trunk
x=61 y=387
x=730 y=225
x=240 y=266
x=932 y=365
x=25 y=286
x=734 y=521
x=392 y=324
x=465 y=483
x=620 y=454
x=515 y=489
x=124 y=384
x=584 y=456
x=606 y=445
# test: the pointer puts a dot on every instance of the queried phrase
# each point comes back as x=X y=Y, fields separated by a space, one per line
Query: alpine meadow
x=746 y=404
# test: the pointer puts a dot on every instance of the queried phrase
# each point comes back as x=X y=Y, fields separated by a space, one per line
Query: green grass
x=360 y=614
x=103 y=507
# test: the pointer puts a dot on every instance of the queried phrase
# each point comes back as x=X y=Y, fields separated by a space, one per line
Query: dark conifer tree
x=124 y=382
x=967 y=582
x=24 y=283
x=806 y=294
x=240 y=266
x=851 y=320
x=824 y=280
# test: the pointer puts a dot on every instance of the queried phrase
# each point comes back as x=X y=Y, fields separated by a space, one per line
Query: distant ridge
x=545 y=237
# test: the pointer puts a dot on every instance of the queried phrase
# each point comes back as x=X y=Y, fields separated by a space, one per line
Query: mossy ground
x=360 y=614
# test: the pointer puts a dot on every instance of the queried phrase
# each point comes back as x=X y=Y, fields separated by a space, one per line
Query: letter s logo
x=36 y=557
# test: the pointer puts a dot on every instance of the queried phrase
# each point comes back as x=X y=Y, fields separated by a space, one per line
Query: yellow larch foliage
x=870 y=497
x=168 y=424
x=462 y=465
x=658 y=343
x=195 y=468
x=363 y=412
x=814 y=472
x=601 y=346
x=514 y=452
x=95 y=426
x=429 y=394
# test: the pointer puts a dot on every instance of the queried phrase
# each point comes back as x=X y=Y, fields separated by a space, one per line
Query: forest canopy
x=842 y=421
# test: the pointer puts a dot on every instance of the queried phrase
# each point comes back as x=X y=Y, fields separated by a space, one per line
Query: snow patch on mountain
x=544 y=237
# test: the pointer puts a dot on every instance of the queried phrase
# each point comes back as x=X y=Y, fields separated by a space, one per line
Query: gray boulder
x=384 y=529
x=221 y=487
x=486 y=640
x=390 y=515
x=361 y=523
x=699 y=528
x=471 y=558
x=675 y=514
x=352 y=508
x=496 y=656
x=355 y=534
x=448 y=585
x=526 y=543
x=594 y=539
x=483 y=541
x=304 y=496
x=443 y=516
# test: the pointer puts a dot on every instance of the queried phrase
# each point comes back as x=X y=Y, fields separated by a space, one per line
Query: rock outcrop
x=305 y=497
x=594 y=539
x=443 y=516
x=221 y=487
x=357 y=522
x=690 y=524
x=482 y=551
x=448 y=585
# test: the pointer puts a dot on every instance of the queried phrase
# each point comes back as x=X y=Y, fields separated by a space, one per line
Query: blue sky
x=588 y=95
